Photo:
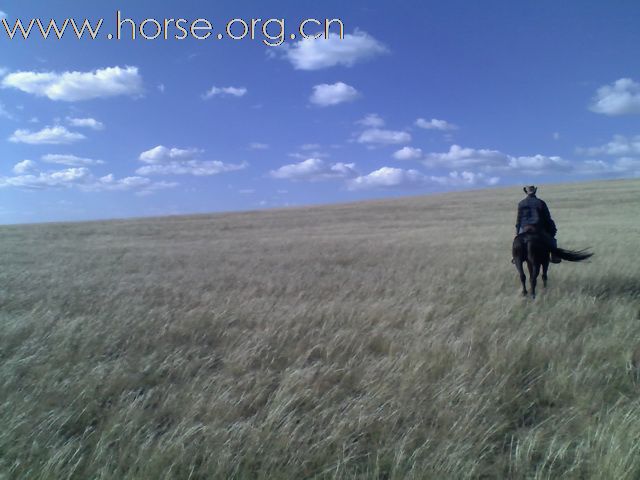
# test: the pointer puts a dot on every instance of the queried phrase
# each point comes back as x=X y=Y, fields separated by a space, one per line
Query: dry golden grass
x=374 y=340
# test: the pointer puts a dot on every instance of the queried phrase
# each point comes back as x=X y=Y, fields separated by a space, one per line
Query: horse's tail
x=572 y=255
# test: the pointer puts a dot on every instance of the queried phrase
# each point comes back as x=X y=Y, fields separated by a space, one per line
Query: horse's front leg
x=523 y=278
x=545 y=268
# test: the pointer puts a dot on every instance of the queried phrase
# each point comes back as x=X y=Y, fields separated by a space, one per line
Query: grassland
x=373 y=340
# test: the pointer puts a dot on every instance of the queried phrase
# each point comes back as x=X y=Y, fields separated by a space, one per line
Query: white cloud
x=56 y=135
x=310 y=146
x=619 y=145
x=2 y=15
x=258 y=146
x=24 y=167
x=325 y=95
x=620 y=166
x=314 y=169
x=435 y=124
x=155 y=186
x=408 y=153
x=539 y=164
x=161 y=88
x=311 y=54
x=225 y=91
x=4 y=113
x=56 y=179
x=161 y=160
x=388 y=177
x=309 y=150
x=70 y=160
x=622 y=97
x=473 y=167
x=161 y=154
x=373 y=120
x=461 y=158
x=190 y=167
x=144 y=185
x=86 y=122
x=465 y=178
x=77 y=86
x=627 y=149
x=485 y=160
x=384 y=137
x=626 y=165
x=77 y=177
x=109 y=182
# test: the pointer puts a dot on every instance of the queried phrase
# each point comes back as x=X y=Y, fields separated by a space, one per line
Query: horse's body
x=534 y=248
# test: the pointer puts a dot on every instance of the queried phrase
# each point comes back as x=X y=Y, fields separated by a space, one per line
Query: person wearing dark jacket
x=534 y=211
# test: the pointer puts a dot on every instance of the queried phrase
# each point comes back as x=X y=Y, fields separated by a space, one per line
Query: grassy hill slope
x=373 y=340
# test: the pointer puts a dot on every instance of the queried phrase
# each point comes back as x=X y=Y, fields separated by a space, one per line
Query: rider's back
x=532 y=211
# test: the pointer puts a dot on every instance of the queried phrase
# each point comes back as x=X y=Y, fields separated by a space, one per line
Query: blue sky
x=418 y=97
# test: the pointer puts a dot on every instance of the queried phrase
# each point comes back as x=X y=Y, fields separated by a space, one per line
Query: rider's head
x=530 y=190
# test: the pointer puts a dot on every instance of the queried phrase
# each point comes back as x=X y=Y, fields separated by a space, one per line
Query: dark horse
x=534 y=248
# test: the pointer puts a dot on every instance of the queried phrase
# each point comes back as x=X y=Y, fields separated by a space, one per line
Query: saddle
x=532 y=229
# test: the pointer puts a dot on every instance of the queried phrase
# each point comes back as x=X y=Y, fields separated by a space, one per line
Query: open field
x=374 y=340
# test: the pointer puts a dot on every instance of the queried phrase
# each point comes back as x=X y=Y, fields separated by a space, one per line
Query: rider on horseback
x=534 y=212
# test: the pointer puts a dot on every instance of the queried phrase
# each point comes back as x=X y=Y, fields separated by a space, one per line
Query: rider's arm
x=546 y=215
x=518 y=219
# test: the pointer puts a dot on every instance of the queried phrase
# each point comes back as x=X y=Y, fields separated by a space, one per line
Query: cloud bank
x=311 y=54
x=77 y=86
x=622 y=97
x=314 y=169
x=325 y=95
x=162 y=160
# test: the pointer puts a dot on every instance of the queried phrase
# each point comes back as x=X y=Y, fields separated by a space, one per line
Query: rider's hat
x=530 y=190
